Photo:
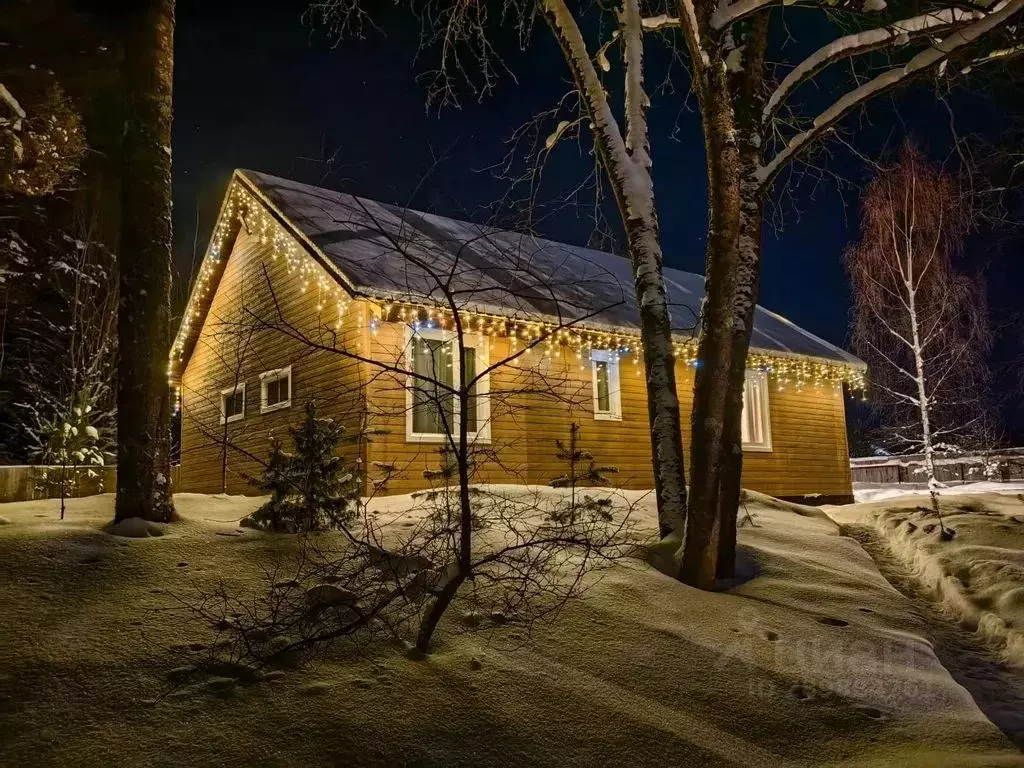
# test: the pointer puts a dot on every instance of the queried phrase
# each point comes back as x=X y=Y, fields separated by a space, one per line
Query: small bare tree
x=507 y=556
x=919 y=322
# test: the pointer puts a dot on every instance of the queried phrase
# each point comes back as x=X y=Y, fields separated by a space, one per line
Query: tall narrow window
x=433 y=405
x=275 y=389
x=605 y=371
x=232 y=404
x=756 y=424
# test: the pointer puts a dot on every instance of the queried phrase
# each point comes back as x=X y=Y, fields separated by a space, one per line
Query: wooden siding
x=241 y=338
x=533 y=400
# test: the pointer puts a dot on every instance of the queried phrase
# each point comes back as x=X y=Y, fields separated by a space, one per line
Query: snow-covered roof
x=388 y=252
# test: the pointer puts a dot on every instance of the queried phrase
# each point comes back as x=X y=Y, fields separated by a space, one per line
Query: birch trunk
x=144 y=264
x=921 y=382
x=628 y=168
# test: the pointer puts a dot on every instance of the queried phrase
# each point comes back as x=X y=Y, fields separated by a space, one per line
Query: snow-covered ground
x=978 y=575
x=882 y=491
x=815 y=660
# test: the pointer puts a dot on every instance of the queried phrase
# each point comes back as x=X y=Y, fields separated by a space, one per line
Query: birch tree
x=918 y=321
x=753 y=130
x=144 y=261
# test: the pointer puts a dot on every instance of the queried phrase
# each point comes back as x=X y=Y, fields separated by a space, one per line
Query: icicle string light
x=243 y=209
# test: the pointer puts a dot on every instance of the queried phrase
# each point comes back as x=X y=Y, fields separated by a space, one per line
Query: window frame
x=611 y=358
x=758 y=380
x=275 y=375
x=224 y=394
x=481 y=347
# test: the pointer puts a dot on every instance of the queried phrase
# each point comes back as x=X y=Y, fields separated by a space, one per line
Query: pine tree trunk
x=144 y=263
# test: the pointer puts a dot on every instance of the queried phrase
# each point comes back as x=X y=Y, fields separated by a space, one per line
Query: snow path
x=998 y=690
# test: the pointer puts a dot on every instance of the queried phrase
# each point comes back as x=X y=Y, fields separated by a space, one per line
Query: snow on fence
x=25 y=482
x=1001 y=467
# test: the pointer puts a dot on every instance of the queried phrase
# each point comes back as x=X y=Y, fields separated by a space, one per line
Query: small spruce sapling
x=446 y=514
x=311 y=488
x=583 y=469
x=73 y=444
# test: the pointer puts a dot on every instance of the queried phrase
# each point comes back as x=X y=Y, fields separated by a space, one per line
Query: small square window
x=232 y=404
x=276 y=389
x=605 y=374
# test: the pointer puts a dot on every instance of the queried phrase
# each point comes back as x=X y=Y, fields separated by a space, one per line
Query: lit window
x=605 y=370
x=232 y=404
x=275 y=389
x=433 y=409
x=756 y=425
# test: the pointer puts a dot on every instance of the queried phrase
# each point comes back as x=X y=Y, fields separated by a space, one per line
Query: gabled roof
x=385 y=252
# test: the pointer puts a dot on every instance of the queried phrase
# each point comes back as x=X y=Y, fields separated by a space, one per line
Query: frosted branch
x=898 y=33
x=726 y=14
x=929 y=57
x=729 y=13
x=662 y=21
x=8 y=98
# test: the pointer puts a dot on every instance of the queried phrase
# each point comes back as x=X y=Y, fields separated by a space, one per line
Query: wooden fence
x=25 y=482
x=1003 y=467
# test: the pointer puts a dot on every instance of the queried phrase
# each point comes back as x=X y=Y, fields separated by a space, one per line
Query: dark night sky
x=258 y=90
x=261 y=90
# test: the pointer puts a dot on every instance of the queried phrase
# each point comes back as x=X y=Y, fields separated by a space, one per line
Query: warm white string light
x=241 y=208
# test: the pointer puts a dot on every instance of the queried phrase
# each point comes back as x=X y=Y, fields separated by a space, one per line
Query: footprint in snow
x=771 y=636
x=865 y=610
x=830 y=621
x=872 y=712
x=800 y=693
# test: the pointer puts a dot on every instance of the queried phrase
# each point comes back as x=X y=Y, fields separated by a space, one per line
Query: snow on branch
x=999 y=54
x=628 y=168
x=727 y=13
x=692 y=31
x=662 y=21
x=934 y=55
x=897 y=33
x=688 y=25
x=19 y=114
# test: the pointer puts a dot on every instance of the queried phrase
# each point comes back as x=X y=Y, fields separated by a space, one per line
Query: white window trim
x=614 y=413
x=761 y=380
x=230 y=391
x=268 y=376
x=483 y=386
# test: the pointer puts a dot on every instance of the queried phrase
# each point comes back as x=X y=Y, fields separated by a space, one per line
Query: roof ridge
x=581 y=276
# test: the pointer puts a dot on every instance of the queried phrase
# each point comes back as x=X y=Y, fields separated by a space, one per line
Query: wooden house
x=310 y=294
